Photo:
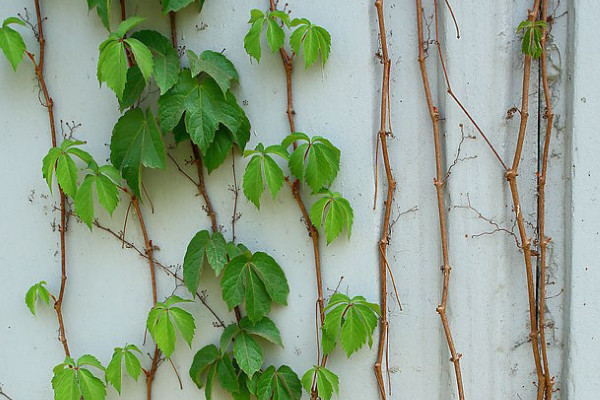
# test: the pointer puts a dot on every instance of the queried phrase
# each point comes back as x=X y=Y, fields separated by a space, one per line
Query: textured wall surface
x=108 y=292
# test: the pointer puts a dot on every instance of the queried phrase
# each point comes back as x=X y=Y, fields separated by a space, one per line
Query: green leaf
x=532 y=35
x=11 y=42
x=103 y=10
x=71 y=382
x=312 y=39
x=134 y=87
x=143 y=57
x=253 y=185
x=84 y=201
x=264 y=328
x=210 y=378
x=275 y=35
x=280 y=384
x=257 y=278
x=128 y=24
x=252 y=38
x=337 y=212
x=160 y=324
x=317 y=162
x=204 y=107
x=107 y=191
x=112 y=66
x=114 y=374
x=32 y=294
x=218 y=150
x=248 y=354
x=227 y=336
x=253 y=181
x=136 y=141
x=216 y=65
x=203 y=249
x=353 y=319
x=203 y=360
x=132 y=362
x=175 y=5
x=92 y=388
x=49 y=163
x=327 y=381
x=227 y=376
x=166 y=59
x=65 y=384
x=66 y=175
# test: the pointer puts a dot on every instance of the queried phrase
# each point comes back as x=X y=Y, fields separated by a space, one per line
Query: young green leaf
x=166 y=59
x=280 y=384
x=103 y=9
x=127 y=25
x=37 y=290
x=316 y=162
x=207 y=364
x=162 y=320
x=532 y=36
x=327 y=382
x=262 y=163
x=203 y=249
x=59 y=159
x=247 y=353
x=114 y=370
x=11 y=42
x=353 y=320
x=335 y=211
x=252 y=38
x=258 y=280
x=136 y=141
x=106 y=180
x=215 y=65
x=112 y=65
x=142 y=55
x=73 y=381
x=312 y=40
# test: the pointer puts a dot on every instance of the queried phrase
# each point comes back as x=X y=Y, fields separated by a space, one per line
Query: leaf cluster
x=306 y=38
x=532 y=36
x=164 y=318
x=74 y=380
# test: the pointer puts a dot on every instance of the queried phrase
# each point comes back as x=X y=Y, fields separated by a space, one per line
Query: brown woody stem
x=391 y=184
x=439 y=183
x=543 y=240
x=511 y=176
x=39 y=73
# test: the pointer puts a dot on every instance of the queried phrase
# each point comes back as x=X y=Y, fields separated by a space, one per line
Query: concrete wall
x=108 y=292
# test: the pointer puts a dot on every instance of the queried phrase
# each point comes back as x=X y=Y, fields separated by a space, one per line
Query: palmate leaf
x=60 y=159
x=204 y=106
x=208 y=363
x=114 y=370
x=73 y=381
x=136 y=141
x=37 y=290
x=279 y=384
x=275 y=33
x=164 y=318
x=103 y=9
x=262 y=167
x=203 y=249
x=166 y=59
x=316 y=162
x=112 y=60
x=532 y=36
x=335 y=212
x=312 y=40
x=106 y=180
x=353 y=320
x=256 y=279
x=11 y=42
x=327 y=382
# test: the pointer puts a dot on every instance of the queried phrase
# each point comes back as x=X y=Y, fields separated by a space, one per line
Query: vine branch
x=439 y=183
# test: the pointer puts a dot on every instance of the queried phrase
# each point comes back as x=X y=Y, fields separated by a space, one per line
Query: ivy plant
x=114 y=370
x=74 y=380
x=164 y=318
x=532 y=36
x=326 y=381
x=37 y=291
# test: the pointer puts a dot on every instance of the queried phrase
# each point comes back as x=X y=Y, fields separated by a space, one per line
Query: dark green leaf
x=216 y=65
x=134 y=87
x=264 y=328
x=248 y=354
x=280 y=384
x=166 y=59
x=203 y=359
x=218 y=150
x=227 y=376
x=203 y=249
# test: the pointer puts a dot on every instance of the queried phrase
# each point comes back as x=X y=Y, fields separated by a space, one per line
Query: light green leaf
x=128 y=24
x=88 y=359
x=248 y=354
x=32 y=294
x=114 y=374
x=142 y=55
x=103 y=9
x=160 y=324
x=92 y=388
x=273 y=174
x=184 y=321
x=216 y=65
x=136 y=141
x=65 y=384
x=11 y=42
x=203 y=249
x=108 y=192
x=275 y=35
x=49 y=163
x=252 y=39
x=253 y=181
x=84 y=201
x=66 y=175
x=112 y=66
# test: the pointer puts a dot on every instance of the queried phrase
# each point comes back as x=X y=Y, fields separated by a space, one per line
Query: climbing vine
x=163 y=88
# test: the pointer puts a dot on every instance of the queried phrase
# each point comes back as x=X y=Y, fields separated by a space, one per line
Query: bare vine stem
x=543 y=240
x=439 y=183
x=511 y=176
x=391 y=184
x=49 y=104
